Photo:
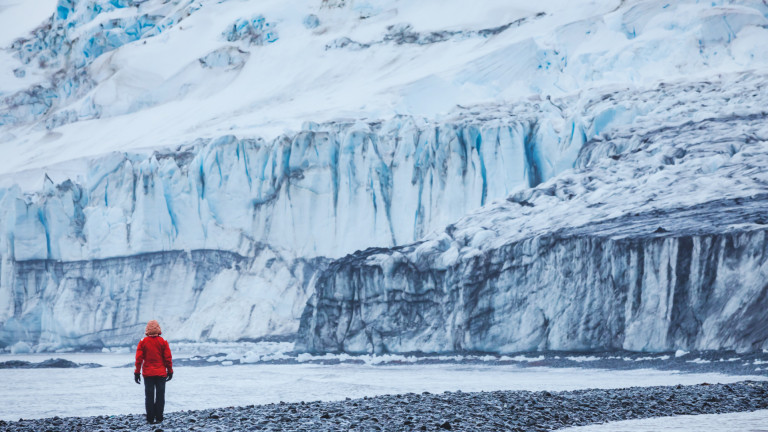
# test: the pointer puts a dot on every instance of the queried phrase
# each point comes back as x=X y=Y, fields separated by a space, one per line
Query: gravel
x=455 y=411
x=50 y=363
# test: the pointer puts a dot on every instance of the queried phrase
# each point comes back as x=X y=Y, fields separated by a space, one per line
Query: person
x=153 y=360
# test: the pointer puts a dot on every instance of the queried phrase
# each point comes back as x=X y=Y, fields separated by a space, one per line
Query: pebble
x=454 y=411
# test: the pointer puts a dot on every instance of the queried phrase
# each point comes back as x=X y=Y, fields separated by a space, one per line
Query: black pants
x=154 y=397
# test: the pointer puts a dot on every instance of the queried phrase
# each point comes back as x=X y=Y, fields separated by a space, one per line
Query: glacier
x=383 y=177
x=636 y=249
x=324 y=191
x=327 y=190
x=90 y=304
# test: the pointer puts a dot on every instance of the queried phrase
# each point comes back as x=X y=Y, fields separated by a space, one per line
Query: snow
x=581 y=359
x=755 y=421
x=216 y=153
x=41 y=393
x=132 y=132
x=18 y=19
x=574 y=45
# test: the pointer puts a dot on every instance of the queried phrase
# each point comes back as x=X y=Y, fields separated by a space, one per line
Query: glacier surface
x=222 y=164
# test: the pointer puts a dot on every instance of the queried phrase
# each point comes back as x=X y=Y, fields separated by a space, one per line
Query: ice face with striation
x=657 y=241
x=201 y=294
x=213 y=163
x=325 y=191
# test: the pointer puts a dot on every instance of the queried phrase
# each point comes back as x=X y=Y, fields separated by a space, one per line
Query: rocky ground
x=54 y=363
x=500 y=410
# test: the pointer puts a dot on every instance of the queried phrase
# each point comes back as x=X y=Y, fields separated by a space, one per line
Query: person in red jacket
x=153 y=360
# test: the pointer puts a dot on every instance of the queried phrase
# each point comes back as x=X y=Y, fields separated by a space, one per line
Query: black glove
x=170 y=375
x=137 y=377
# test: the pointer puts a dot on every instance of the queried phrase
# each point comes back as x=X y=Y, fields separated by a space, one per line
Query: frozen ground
x=756 y=421
x=110 y=390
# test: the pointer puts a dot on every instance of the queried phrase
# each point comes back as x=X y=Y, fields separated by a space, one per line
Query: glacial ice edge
x=573 y=290
x=206 y=233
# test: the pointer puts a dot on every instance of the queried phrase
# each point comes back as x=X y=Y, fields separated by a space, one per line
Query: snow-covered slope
x=161 y=73
x=156 y=131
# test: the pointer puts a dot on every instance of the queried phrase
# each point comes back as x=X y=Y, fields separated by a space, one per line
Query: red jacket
x=155 y=354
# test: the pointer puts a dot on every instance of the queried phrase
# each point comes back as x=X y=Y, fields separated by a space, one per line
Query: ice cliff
x=636 y=249
x=323 y=192
x=529 y=177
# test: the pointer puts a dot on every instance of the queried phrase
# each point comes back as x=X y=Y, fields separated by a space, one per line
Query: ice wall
x=564 y=291
x=325 y=191
x=655 y=242
x=197 y=295
x=85 y=262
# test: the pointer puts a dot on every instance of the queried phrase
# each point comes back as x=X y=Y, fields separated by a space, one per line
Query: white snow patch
x=584 y=359
x=755 y=421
